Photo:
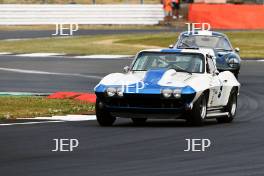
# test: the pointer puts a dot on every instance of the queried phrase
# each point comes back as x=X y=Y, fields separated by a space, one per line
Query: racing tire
x=103 y=117
x=198 y=113
x=139 y=121
x=231 y=108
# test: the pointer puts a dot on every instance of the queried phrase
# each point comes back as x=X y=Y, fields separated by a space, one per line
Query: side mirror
x=171 y=46
x=126 y=69
x=237 y=50
x=216 y=72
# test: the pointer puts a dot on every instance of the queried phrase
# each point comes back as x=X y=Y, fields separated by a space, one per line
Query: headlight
x=120 y=92
x=233 y=62
x=167 y=93
x=111 y=91
x=177 y=93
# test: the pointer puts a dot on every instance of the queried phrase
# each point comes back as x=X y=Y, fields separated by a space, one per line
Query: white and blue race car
x=168 y=83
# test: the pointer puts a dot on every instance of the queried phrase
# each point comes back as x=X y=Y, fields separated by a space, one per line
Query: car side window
x=223 y=43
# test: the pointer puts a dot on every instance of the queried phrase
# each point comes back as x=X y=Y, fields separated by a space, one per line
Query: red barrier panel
x=228 y=16
x=64 y=95
x=89 y=97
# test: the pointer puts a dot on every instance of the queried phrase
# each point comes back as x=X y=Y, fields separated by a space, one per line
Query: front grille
x=143 y=101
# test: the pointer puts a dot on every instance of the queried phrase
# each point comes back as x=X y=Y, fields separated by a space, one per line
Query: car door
x=215 y=84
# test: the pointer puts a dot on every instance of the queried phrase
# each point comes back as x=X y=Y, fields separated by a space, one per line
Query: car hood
x=147 y=80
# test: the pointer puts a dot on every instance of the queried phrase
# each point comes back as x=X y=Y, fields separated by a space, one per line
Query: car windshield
x=220 y=43
x=182 y=62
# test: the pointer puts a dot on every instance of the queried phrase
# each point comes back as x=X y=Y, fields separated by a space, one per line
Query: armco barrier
x=80 y=14
x=228 y=16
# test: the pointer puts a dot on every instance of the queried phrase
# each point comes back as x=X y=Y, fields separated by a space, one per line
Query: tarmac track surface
x=53 y=74
x=155 y=149
x=26 y=34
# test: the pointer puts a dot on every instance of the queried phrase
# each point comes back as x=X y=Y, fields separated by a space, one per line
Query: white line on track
x=48 y=73
x=29 y=123
x=103 y=56
x=5 y=53
x=70 y=118
x=63 y=55
x=53 y=119
x=23 y=94
x=253 y=60
x=40 y=54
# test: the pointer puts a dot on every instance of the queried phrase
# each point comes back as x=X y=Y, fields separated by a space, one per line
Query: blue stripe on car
x=149 y=85
x=153 y=76
x=171 y=50
x=147 y=89
x=188 y=90
x=100 y=88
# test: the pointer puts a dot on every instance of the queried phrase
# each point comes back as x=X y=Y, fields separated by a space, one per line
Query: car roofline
x=177 y=50
x=204 y=33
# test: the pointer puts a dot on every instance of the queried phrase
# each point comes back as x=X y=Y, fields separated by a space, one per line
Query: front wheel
x=104 y=118
x=198 y=112
x=230 y=108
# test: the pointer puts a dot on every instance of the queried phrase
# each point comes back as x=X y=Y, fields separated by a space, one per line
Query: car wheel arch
x=206 y=93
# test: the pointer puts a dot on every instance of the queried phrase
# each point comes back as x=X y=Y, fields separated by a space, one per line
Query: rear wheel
x=139 y=121
x=198 y=112
x=104 y=118
x=230 y=108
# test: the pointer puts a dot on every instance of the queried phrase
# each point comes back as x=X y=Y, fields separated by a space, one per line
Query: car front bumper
x=147 y=106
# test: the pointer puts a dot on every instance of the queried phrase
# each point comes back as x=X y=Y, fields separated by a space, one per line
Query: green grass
x=251 y=44
x=27 y=107
x=162 y=39
x=74 y=45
